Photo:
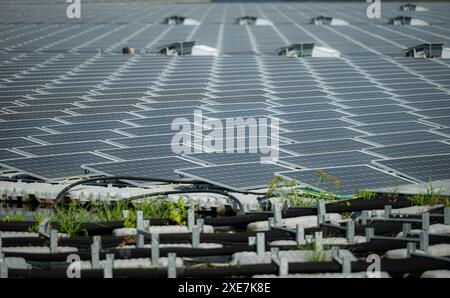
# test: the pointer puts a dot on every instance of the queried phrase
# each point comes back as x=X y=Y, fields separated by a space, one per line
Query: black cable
x=63 y=192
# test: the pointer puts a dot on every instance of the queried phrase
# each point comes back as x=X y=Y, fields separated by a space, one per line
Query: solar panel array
x=71 y=101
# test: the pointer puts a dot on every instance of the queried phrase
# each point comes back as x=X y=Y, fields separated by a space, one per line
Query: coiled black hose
x=63 y=192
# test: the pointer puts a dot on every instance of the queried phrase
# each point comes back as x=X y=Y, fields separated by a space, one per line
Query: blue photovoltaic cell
x=53 y=167
x=65 y=148
x=320 y=134
x=162 y=167
x=78 y=136
x=414 y=149
x=422 y=168
x=324 y=146
x=245 y=176
x=403 y=137
x=336 y=159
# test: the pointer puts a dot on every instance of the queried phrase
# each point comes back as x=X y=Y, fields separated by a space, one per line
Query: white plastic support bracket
x=424 y=241
x=201 y=224
x=426 y=221
x=3 y=269
x=387 y=211
x=346 y=264
x=350 y=230
x=260 y=244
x=190 y=219
x=171 y=265
x=98 y=240
x=410 y=249
x=300 y=235
x=53 y=241
x=95 y=256
x=109 y=265
x=277 y=216
x=284 y=267
x=318 y=245
x=321 y=212
x=140 y=220
x=364 y=217
x=140 y=240
x=155 y=249
x=370 y=233
x=195 y=236
x=275 y=253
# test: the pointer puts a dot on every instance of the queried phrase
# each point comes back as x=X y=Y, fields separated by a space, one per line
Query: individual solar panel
x=53 y=167
x=245 y=176
x=305 y=108
x=21 y=132
x=345 y=180
x=383 y=118
x=7 y=154
x=162 y=167
x=442 y=112
x=324 y=160
x=368 y=102
x=376 y=110
x=224 y=158
x=403 y=137
x=140 y=152
x=32 y=115
x=165 y=139
x=314 y=124
x=324 y=146
x=443 y=121
x=438 y=104
x=97 y=117
x=16 y=142
x=320 y=134
x=90 y=126
x=305 y=116
x=393 y=127
x=413 y=149
x=421 y=168
x=66 y=148
x=78 y=136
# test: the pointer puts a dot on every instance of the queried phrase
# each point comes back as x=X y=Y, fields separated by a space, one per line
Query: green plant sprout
x=364 y=194
x=35 y=227
x=10 y=218
x=288 y=191
x=431 y=196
